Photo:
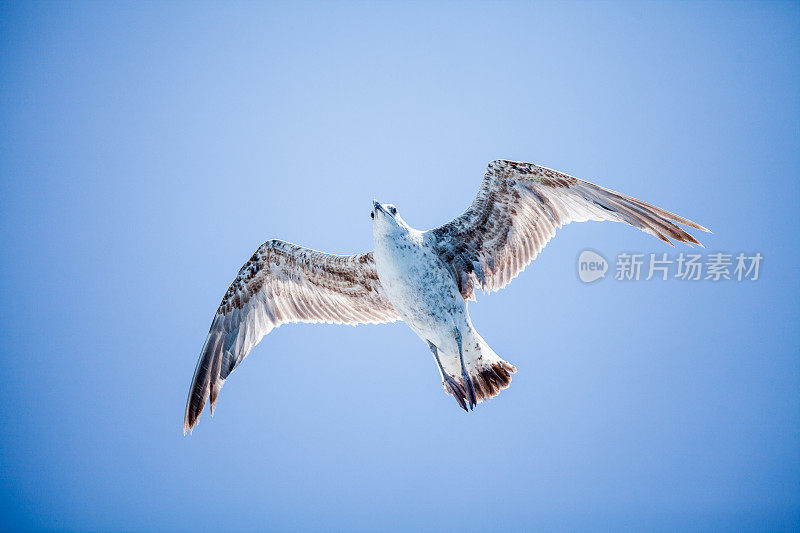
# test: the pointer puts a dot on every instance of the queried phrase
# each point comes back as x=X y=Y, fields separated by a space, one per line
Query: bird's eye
x=372 y=215
x=393 y=209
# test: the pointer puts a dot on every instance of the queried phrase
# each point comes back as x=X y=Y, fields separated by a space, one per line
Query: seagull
x=424 y=278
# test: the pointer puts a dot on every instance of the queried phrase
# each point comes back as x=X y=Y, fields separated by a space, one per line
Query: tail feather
x=488 y=373
x=490 y=380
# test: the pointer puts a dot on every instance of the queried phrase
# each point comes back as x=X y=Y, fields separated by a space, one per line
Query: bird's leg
x=450 y=385
x=467 y=380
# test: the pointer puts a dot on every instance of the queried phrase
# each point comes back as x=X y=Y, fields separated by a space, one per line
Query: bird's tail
x=488 y=372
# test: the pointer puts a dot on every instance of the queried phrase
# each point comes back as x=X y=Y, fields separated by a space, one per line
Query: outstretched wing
x=282 y=283
x=517 y=210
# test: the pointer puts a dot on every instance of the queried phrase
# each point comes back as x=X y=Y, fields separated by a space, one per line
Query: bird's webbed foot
x=451 y=386
x=456 y=390
x=468 y=386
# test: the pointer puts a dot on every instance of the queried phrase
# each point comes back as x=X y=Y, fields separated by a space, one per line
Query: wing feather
x=517 y=210
x=283 y=283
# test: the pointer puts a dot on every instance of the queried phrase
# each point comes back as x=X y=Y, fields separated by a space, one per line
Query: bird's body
x=425 y=294
x=424 y=278
x=420 y=286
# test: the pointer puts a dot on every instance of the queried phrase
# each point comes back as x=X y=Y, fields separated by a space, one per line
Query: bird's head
x=386 y=219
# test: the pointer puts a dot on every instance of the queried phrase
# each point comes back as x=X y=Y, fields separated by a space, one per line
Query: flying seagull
x=424 y=278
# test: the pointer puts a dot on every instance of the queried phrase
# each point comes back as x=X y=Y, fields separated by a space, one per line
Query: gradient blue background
x=147 y=149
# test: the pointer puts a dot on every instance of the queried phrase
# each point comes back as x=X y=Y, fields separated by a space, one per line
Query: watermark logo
x=591 y=266
x=712 y=266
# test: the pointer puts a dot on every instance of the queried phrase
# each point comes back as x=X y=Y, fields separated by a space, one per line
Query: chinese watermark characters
x=713 y=266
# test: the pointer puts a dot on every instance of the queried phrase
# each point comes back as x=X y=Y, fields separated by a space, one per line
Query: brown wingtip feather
x=687 y=222
x=193 y=410
x=190 y=420
x=205 y=382
x=666 y=214
x=667 y=222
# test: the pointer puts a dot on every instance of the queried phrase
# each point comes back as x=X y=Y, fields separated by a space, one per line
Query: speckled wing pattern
x=283 y=283
x=517 y=211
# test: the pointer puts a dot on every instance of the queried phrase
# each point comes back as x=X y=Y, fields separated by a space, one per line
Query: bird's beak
x=376 y=206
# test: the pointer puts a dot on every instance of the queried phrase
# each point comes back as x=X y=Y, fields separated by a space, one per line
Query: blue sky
x=147 y=149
